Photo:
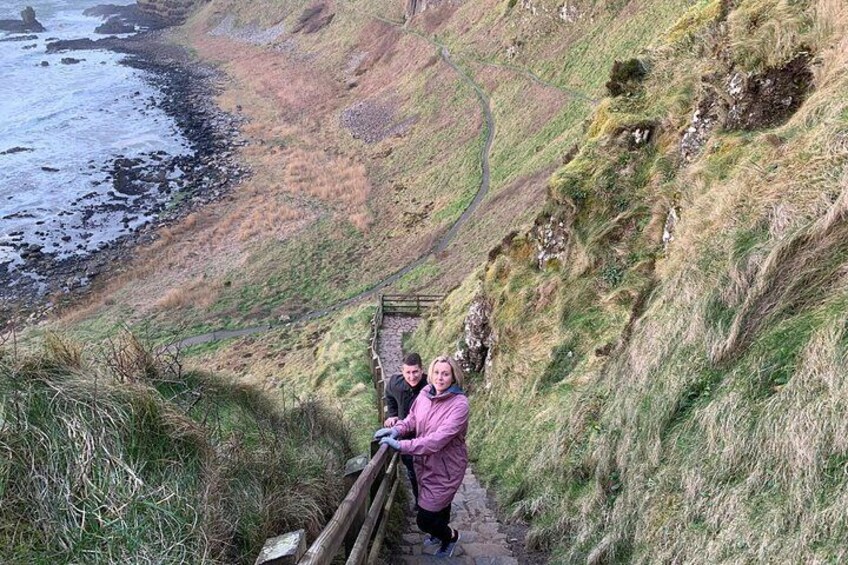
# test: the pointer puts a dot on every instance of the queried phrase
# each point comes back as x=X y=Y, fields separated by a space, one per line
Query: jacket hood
x=453 y=389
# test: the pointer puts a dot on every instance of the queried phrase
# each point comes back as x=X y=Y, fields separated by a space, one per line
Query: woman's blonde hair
x=456 y=370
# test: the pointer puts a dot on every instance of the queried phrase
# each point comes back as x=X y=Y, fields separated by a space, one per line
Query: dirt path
x=437 y=247
x=484 y=540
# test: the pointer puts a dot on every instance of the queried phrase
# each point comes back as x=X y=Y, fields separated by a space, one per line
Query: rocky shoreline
x=149 y=191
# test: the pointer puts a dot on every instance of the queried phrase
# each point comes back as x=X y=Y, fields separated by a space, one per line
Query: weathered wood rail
x=359 y=522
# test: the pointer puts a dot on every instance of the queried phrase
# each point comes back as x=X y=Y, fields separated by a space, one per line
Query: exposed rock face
x=668 y=230
x=770 y=98
x=374 y=120
x=173 y=12
x=476 y=350
x=636 y=135
x=27 y=23
x=736 y=100
x=414 y=7
x=704 y=121
x=314 y=18
x=569 y=13
x=551 y=237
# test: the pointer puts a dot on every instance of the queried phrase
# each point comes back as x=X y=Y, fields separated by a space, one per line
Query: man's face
x=412 y=374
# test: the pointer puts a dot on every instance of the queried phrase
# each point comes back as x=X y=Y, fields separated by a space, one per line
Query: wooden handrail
x=374 y=479
x=325 y=547
x=360 y=547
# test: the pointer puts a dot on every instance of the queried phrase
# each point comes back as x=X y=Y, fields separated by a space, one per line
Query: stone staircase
x=484 y=540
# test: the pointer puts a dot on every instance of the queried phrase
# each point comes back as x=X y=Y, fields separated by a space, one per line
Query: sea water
x=72 y=120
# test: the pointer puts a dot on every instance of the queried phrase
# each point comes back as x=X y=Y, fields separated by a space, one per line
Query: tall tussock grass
x=125 y=459
x=684 y=403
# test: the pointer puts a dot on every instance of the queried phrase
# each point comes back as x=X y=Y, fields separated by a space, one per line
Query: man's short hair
x=413 y=360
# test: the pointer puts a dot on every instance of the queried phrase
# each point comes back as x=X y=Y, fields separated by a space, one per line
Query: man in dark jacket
x=401 y=391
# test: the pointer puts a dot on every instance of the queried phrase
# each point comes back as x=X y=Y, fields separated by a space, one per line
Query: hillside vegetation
x=662 y=252
x=682 y=402
x=123 y=458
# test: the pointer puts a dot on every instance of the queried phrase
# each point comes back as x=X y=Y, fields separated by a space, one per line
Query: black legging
x=436 y=523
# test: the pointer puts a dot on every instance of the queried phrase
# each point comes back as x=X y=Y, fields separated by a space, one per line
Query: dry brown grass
x=340 y=182
x=799 y=272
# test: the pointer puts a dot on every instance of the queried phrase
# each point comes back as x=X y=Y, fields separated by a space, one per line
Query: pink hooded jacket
x=439 y=423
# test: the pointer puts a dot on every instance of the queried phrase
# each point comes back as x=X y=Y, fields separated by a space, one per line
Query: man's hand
x=391 y=421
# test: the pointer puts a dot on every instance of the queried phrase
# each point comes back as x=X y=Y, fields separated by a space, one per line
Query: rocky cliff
x=172 y=11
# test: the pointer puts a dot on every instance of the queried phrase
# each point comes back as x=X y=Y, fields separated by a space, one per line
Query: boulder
x=114 y=26
x=27 y=23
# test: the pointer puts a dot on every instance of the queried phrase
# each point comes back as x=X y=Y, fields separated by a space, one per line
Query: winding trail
x=439 y=246
x=442 y=243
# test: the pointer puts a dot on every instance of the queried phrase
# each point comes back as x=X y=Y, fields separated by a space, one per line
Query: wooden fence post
x=352 y=469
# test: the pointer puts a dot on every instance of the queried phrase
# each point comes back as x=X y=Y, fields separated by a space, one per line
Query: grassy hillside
x=124 y=458
x=663 y=246
x=683 y=402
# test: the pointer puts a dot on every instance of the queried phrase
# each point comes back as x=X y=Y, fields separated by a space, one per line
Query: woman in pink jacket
x=437 y=422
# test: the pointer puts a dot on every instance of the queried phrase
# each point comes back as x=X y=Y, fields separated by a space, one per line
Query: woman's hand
x=391 y=442
x=386 y=432
x=391 y=421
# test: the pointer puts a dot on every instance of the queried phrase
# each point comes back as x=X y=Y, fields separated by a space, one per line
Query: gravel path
x=484 y=541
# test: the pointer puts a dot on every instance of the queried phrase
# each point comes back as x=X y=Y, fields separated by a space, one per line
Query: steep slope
x=651 y=401
x=120 y=456
x=667 y=313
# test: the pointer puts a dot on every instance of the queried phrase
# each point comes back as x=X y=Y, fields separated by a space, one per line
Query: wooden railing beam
x=360 y=548
x=328 y=543
x=381 y=530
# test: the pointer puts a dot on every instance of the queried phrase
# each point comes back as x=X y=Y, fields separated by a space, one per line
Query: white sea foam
x=76 y=119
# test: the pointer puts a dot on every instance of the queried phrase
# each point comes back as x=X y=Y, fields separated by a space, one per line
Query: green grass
x=154 y=466
x=616 y=420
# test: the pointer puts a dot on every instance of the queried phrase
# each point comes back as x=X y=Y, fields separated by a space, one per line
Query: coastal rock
x=475 y=350
x=114 y=26
x=19 y=38
x=16 y=149
x=124 y=19
x=70 y=61
x=27 y=24
x=172 y=12
x=67 y=255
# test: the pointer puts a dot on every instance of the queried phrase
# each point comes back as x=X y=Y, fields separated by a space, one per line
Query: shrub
x=624 y=75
